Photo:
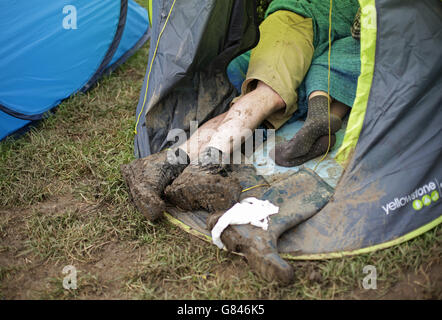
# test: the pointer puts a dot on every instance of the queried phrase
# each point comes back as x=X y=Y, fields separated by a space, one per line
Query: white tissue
x=249 y=210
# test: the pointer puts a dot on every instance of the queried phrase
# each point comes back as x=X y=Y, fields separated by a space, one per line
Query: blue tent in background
x=50 y=50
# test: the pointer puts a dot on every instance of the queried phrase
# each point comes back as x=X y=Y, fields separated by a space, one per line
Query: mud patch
x=196 y=188
x=25 y=274
x=425 y=283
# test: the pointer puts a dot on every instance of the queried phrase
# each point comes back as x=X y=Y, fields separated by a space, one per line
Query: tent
x=382 y=183
x=51 y=50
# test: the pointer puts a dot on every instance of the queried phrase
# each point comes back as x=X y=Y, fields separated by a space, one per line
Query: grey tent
x=387 y=171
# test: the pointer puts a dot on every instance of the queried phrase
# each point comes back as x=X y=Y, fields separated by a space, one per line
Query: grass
x=63 y=201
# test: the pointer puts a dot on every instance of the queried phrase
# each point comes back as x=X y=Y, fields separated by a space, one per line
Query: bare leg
x=339 y=109
x=207 y=184
x=245 y=116
x=198 y=141
x=226 y=131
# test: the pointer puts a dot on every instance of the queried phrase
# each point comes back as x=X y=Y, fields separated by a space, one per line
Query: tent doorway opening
x=375 y=164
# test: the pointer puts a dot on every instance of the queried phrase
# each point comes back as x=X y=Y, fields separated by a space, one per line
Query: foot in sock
x=315 y=126
x=148 y=177
x=205 y=185
x=319 y=148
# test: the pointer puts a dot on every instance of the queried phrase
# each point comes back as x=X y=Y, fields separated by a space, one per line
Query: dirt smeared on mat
x=330 y=228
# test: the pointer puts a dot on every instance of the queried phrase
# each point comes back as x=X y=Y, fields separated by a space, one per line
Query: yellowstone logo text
x=421 y=197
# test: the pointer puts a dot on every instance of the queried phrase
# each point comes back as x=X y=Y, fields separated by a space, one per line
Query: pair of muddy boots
x=215 y=188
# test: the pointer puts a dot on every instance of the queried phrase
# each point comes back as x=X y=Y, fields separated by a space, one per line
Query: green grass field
x=63 y=202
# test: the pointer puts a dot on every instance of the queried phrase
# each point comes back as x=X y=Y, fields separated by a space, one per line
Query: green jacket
x=343 y=14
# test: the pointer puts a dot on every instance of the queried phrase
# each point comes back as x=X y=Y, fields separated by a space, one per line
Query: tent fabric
x=188 y=76
x=45 y=56
x=136 y=33
x=368 y=46
x=391 y=187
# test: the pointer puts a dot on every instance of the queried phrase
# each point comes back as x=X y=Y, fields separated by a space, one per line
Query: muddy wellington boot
x=148 y=177
x=316 y=125
x=205 y=185
x=319 y=148
x=260 y=246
